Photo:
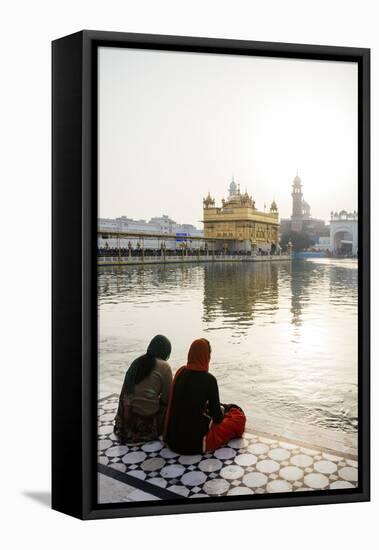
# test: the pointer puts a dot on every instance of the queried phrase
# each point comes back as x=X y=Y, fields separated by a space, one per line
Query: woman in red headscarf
x=195 y=420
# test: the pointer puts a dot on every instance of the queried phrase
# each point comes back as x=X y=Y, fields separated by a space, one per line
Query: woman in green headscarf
x=145 y=393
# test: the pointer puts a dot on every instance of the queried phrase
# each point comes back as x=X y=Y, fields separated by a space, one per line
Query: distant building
x=237 y=225
x=344 y=233
x=158 y=224
x=301 y=218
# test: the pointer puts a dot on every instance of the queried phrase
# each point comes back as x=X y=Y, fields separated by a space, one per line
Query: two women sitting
x=186 y=411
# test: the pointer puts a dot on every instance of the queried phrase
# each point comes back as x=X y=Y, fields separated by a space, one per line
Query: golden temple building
x=237 y=225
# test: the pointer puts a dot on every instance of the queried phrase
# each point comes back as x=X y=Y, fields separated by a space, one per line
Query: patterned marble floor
x=250 y=465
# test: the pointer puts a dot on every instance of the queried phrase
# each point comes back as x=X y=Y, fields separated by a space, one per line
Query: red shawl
x=198 y=359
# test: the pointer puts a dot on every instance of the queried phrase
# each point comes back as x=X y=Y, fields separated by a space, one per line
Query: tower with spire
x=297 y=204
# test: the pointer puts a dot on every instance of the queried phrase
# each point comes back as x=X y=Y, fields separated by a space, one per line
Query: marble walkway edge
x=254 y=464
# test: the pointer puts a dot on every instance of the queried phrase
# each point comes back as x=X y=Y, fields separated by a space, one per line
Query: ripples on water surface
x=284 y=336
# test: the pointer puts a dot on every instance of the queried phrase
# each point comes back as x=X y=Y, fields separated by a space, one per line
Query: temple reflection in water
x=283 y=335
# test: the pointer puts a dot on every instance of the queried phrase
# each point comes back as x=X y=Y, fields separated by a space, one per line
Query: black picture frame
x=74 y=291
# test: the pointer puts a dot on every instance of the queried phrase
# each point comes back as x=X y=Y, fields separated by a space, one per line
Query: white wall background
x=26 y=31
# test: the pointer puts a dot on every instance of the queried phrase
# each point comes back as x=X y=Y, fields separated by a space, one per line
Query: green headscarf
x=160 y=348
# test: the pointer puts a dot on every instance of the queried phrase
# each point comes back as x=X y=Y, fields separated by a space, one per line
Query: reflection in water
x=283 y=335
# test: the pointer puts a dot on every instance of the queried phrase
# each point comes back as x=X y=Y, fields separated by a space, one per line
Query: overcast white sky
x=173 y=126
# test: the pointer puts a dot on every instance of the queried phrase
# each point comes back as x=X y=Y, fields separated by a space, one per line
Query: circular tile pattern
x=152 y=446
x=341 y=485
x=194 y=478
x=152 y=464
x=333 y=458
x=316 y=481
x=291 y=473
x=240 y=491
x=168 y=453
x=267 y=466
x=107 y=417
x=225 y=453
x=105 y=430
x=279 y=454
x=325 y=467
x=258 y=448
x=348 y=473
x=108 y=406
x=246 y=459
x=302 y=461
x=254 y=479
x=159 y=481
x=137 y=473
x=179 y=490
x=117 y=450
x=216 y=486
x=187 y=460
x=210 y=465
x=238 y=443
x=353 y=463
x=232 y=472
x=134 y=457
x=103 y=444
x=279 y=486
x=173 y=470
x=103 y=460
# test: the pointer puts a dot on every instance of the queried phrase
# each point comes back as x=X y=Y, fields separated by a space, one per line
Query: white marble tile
x=180 y=490
x=210 y=465
x=333 y=458
x=316 y=481
x=254 y=479
x=231 y=472
x=279 y=454
x=172 y=471
x=279 y=486
x=117 y=450
x=341 y=485
x=152 y=446
x=247 y=459
x=238 y=443
x=106 y=417
x=216 y=486
x=291 y=473
x=258 y=448
x=325 y=467
x=159 y=481
x=225 y=453
x=168 y=453
x=134 y=457
x=241 y=490
x=138 y=474
x=193 y=478
x=267 y=466
x=348 y=473
x=301 y=460
x=109 y=406
x=105 y=430
x=119 y=466
x=151 y=464
x=189 y=459
x=103 y=444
